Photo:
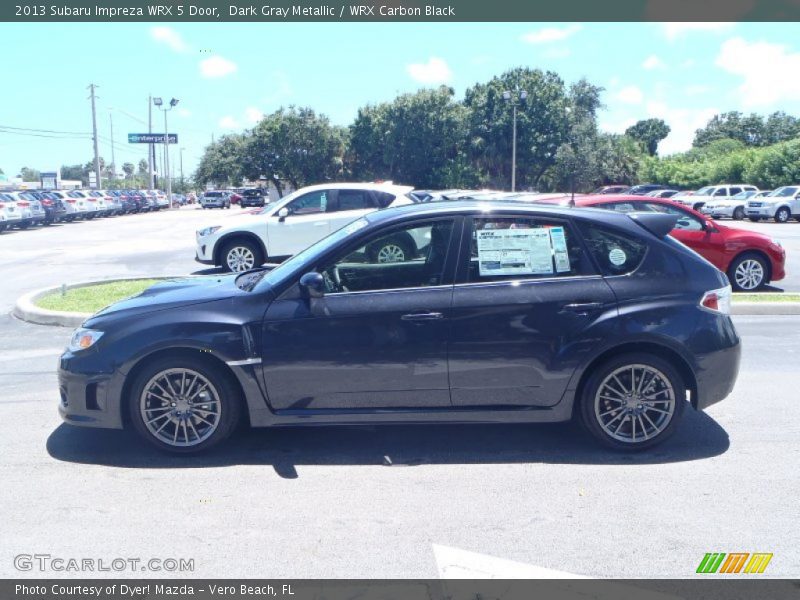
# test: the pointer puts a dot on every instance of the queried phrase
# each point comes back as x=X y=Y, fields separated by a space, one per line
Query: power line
x=46 y=135
x=45 y=130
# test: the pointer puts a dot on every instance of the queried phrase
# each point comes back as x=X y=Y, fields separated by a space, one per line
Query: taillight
x=47 y=202
x=718 y=300
x=71 y=200
x=23 y=203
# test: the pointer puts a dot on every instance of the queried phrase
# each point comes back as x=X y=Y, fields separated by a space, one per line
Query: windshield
x=784 y=192
x=302 y=260
x=706 y=191
x=743 y=195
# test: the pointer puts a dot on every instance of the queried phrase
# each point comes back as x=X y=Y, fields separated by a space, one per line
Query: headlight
x=83 y=339
x=208 y=231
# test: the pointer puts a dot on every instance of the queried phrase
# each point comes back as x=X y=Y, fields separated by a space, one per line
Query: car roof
x=587 y=201
x=382 y=187
x=500 y=207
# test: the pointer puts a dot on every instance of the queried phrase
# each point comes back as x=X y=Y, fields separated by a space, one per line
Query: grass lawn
x=766 y=297
x=92 y=298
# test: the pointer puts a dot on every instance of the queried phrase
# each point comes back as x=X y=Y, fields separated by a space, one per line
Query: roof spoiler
x=659 y=224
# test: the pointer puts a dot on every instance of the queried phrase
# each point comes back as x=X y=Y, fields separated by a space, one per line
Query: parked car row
x=23 y=209
x=244 y=197
x=751 y=260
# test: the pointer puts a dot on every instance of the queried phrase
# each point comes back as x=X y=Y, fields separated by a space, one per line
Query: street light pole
x=172 y=104
x=514 y=97
x=181 y=155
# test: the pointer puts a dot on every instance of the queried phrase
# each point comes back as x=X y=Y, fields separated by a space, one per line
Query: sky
x=226 y=75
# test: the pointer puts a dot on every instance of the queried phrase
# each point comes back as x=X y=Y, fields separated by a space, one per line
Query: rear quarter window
x=614 y=251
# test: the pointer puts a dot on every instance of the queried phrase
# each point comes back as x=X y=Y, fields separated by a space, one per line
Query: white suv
x=781 y=204
x=295 y=222
x=712 y=192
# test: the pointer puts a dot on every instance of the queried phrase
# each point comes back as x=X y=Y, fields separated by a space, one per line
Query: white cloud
x=630 y=95
x=432 y=72
x=653 y=62
x=673 y=31
x=550 y=34
x=228 y=122
x=169 y=37
x=185 y=113
x=217 y=66
x=683 y=123
x=768 y=71
x=253 y=115
x=696 y=90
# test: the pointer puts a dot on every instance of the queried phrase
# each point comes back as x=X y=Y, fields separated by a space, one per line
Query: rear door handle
x=582 y=307
x=426 y=316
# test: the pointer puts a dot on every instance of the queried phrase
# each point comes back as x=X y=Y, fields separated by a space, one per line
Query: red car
x=751 y=260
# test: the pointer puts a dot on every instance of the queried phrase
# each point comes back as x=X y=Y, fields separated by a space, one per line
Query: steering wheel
x=333 y=281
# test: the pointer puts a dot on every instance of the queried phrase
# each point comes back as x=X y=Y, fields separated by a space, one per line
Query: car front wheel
x=738 y=213
x=241 y=255
x=184 y=405
x=748 y=272
x=633 y=402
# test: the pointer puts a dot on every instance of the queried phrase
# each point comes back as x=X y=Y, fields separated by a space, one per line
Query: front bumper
x=765 y=212
x=88 y=399
x=204 y=252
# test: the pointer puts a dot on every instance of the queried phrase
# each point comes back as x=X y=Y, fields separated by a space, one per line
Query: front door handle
x=582 y=307
x=320 y=224
x=426 y=316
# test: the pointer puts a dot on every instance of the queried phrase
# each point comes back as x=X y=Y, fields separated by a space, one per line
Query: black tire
x=751 y=257
x=738 y=213
x=229 y=398
x=243 y=246
x=23 y=225
x=754 y=219
x=590 y=416
x=782 y=215
x=698 y=205
x=400 y=248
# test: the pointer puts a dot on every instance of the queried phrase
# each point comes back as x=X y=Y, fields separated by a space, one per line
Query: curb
x=765 y=308
x=25 y=308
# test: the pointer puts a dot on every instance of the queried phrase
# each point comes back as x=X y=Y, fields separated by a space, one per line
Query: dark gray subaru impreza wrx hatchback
x=498 y=312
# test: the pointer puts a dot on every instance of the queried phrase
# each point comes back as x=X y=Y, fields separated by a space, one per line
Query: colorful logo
x=735 y=562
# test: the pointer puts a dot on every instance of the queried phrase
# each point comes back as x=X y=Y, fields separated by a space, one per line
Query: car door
x=692 y=231
x=526 y=294
x=307 y=222
x=377 y=339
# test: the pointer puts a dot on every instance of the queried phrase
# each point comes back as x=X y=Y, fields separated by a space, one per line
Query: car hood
x=171 y=294
x=247 y=220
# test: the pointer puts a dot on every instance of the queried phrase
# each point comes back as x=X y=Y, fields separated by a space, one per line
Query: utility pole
x=151 y=157
x=113 y=160
x=182 y=190
x=98 y=184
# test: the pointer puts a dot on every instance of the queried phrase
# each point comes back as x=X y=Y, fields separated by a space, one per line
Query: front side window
x=311 y=203
x=410 y=257
x=685 y=221
x=504 y=248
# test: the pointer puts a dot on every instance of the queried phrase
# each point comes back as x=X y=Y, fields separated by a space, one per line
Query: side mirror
x=710 y=227
x=282 y=214
x=313 y=285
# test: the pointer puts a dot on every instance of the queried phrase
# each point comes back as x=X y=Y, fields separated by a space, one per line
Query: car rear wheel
x=390 y=251
x=783 y=215
x=241 y=255
x=748 y=272
x=633 y=402
x=184 y=405
x=754 y=219
x=738 y=213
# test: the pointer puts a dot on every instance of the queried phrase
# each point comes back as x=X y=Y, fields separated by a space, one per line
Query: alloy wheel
x=180 y=407
x=391 y=253
x=634 y=403
x=240 y=258
x=749 y=274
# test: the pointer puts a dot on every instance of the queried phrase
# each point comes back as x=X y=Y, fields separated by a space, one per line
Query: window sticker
x=617 y=257
x=515 y=252
x=559 y=244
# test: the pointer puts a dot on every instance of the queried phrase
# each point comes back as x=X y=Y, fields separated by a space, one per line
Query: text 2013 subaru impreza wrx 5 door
x=510 y=313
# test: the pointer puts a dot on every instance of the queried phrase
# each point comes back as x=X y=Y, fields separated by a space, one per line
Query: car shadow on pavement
x=698 y=437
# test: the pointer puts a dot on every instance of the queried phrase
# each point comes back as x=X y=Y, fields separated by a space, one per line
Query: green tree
x=649 y=132
x=542 y=126
x=144 y=168
x=28 y=174
x=222 y=162
x=295 y=145
x=750 y=129
x=128 y=169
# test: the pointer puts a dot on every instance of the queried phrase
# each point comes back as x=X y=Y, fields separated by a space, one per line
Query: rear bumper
x=716 y=370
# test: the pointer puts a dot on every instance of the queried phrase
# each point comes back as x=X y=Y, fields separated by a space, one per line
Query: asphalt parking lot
x=389 y=502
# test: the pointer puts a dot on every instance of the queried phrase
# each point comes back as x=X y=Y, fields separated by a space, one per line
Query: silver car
x=31 y=209
x=77 y=207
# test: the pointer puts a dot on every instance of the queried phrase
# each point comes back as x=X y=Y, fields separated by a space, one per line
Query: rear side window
x=384 y=199
x=615 y=252
x=354 y=200
x=523 y=248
